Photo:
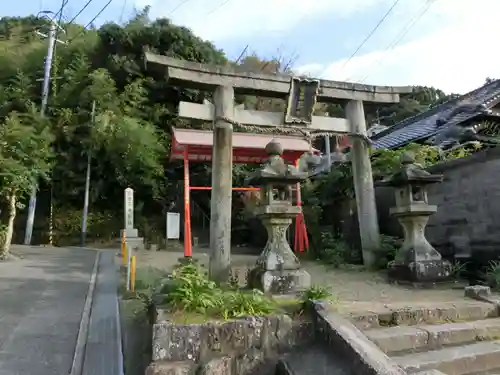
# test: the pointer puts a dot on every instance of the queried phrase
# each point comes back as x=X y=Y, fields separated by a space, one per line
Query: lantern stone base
x=278 y=270
x=417 y=262
x=420 y=273
x=279 y=282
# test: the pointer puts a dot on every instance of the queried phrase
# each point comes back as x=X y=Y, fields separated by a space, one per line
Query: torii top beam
x=208 y=77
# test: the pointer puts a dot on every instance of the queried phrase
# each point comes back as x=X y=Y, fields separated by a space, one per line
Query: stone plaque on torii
x=301 y=94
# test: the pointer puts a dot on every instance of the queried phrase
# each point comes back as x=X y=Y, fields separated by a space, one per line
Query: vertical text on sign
x=129 y=208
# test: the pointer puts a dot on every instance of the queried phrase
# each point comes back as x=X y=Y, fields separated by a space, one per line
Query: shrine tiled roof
x=424 y=125
x=247 y=147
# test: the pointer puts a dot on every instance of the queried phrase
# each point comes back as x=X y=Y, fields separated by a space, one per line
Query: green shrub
x=316 y=293
x=458 y=270
x=149 y=278
x=3 y=234
x=190 y=290
x=334 y=251
x=493 y=274
x=236 y=304
x=101 y=226
x=389 y=246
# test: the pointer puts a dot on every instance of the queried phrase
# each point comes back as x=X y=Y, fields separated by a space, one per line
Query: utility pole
x=87 y=186
x=241 y=54
x=328 y=151
x=45 y=97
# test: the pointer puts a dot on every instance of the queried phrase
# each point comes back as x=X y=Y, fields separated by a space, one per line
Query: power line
x=51 y=16
x=58 y=29
x=124 y=5
x=216 y=9
x=40 y=6
x=401 y=35
x=80 y=11
x=63 y=5
x=369 y=35
x=92 y=20
x=59 y=13
x=206 y=15
x=178 y=6
x=242 y=54
x=98 y=13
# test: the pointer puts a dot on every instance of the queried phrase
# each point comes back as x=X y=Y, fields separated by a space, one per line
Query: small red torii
x=191 y=145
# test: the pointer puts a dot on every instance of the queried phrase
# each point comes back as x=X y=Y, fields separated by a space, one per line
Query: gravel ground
x=361 y=290
x=355 y=288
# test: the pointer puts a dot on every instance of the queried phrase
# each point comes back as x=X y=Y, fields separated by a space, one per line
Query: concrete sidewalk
x=103 y=354
x=42 y=297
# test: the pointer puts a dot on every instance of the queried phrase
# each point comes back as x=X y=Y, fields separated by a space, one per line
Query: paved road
x=41 y=303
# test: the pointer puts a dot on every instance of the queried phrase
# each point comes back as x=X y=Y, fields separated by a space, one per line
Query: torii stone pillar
x=363 y=184
x=222 y=185
x=301 y=94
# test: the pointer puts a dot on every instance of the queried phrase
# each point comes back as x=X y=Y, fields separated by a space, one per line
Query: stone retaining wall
x=254 y=345
x=237 y=347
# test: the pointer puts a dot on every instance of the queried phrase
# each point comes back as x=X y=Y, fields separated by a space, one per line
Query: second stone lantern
x=417 y=261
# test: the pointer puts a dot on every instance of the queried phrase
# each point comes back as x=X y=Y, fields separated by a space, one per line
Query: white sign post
x=173 y=225
x=130 y=231
x=134 y=242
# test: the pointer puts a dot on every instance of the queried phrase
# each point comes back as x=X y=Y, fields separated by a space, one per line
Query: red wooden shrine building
x=191 y=145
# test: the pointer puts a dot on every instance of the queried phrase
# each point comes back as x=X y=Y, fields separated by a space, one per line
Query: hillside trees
x=25 y=152
x=135 y=108
x=129 y=147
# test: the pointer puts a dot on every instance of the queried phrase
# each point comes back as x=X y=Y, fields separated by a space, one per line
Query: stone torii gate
x=301 y=95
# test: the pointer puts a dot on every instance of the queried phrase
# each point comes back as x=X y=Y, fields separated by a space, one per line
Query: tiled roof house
x=437 y=119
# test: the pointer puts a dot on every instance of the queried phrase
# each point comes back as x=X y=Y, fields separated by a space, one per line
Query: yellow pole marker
x=124 y=249
x=132 y=273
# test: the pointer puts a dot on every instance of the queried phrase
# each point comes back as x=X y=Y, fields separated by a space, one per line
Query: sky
x=448 y=44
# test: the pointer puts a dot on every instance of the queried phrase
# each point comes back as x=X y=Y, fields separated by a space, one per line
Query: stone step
x=398 y=314
x=463 y=360
x=433 y=336
x=171 y=368
x=316 y=360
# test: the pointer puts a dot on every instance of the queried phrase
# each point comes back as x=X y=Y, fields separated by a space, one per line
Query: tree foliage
x=338 y=185
x=25 y=157
x=25 y=153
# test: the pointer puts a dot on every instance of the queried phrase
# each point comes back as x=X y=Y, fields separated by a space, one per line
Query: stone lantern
x=416 y=261
x=277 y=270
